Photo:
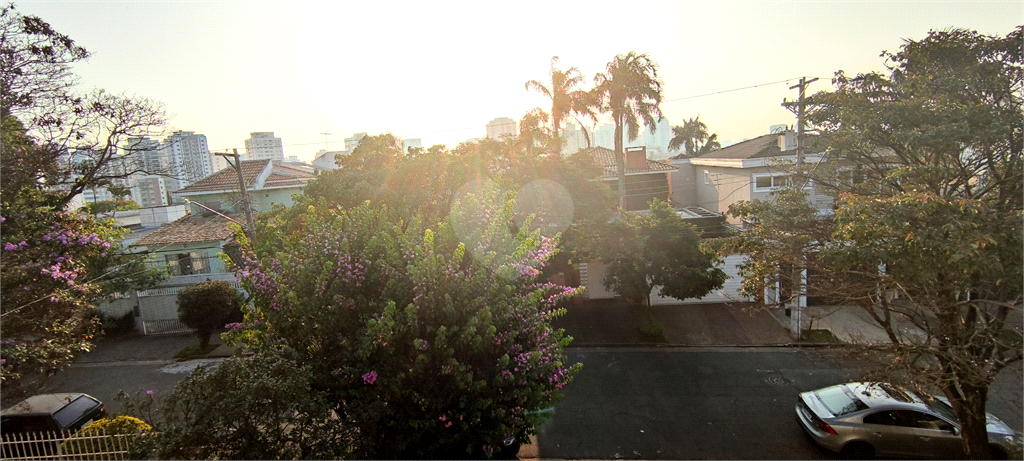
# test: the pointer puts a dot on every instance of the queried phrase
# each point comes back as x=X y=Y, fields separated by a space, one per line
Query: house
x=645 y=178
x=747 y=170
x=267 y=182
x=189 y=247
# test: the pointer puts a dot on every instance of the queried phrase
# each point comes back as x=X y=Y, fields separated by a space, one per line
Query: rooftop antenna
x=326 y=146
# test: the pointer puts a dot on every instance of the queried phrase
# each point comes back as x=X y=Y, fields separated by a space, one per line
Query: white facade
x=353 y=141
x=501 y=126
x=414 y=142
x=263 y=146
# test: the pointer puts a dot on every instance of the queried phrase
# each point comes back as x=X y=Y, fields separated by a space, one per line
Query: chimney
x=787 y=140
x=636 y=158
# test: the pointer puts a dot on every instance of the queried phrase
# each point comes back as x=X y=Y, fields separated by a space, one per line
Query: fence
x=95 y=444
x=152 y=327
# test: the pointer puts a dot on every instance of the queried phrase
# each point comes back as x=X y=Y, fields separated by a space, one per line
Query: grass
x=194 y=351
x=819 y=336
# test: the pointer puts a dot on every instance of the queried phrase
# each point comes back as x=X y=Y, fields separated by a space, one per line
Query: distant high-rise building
x=657 y=141
x=189 y=158
x=501 y=126
x=148 y=187
x=263 y=146
x=352 y=142
x=574 y=139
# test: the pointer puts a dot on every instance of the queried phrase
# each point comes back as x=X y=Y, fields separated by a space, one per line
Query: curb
x=681 y=346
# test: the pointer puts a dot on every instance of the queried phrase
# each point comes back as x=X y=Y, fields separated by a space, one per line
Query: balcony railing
x=192 y=266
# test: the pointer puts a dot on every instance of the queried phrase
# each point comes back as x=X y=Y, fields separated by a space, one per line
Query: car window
x=926 y=421
x=21 y=424
x=840 y=401
x=74 y=410
x=942 y=408
x=891 y=418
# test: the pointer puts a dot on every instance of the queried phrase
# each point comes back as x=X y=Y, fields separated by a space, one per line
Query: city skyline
x=440 y=72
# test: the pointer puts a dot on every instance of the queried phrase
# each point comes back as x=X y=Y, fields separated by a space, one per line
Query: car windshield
x=840 y=400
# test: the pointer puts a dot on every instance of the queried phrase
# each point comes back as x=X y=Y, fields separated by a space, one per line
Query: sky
x=439 y=71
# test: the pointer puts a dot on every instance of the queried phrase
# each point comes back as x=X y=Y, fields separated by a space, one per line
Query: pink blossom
x=370 y=377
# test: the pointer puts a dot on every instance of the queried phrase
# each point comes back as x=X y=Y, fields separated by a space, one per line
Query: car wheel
x=857 y=450
x=995 y=452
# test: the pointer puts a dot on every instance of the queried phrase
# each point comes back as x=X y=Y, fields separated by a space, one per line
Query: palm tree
x=631 y=91
x=566 y=99
x=694 y=138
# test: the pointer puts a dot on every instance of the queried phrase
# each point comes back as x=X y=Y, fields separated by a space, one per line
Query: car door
x=891 y=432
x=936 y=437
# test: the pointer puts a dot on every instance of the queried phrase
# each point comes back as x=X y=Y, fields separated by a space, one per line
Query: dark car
x=46 y=417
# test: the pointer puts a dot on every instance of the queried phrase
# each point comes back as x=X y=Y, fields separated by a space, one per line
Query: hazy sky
x=439 y=71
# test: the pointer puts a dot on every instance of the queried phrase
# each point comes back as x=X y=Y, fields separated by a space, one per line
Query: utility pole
x=241 y=184
x=800 y=273
x=800 y=121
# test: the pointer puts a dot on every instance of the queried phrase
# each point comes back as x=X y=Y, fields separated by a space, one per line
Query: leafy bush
x=204 y=307
x=427 y=341
x=259 y=407
x=84 y=446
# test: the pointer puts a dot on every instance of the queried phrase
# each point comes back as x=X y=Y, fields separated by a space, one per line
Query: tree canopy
x=926 y=165
x=630 y=91
x=657 y=249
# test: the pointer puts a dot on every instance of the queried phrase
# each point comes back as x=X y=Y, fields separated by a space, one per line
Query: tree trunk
x=620 y=163
x=969 y=405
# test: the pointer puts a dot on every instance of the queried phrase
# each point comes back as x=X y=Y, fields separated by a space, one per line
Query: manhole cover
x=777 y=380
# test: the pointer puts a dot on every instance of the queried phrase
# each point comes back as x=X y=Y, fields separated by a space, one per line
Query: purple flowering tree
x=431 y=340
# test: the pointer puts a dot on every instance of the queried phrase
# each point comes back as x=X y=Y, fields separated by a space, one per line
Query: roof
x=227 y=179
x=605 y=158
x=759 y=147
x=279 y=175
x=764 y=146
x=42 y=404
x=193 y=229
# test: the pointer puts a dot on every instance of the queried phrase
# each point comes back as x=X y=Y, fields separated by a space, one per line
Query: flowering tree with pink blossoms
x=432 y=340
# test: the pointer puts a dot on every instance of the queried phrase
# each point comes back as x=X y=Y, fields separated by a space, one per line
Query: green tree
x=566 y=99
x=694 y=138
x=205 y=307
x=630 y=91
x=430 y=341
x=657 y=249
x=926 y=163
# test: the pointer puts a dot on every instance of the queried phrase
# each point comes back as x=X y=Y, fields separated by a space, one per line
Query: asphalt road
x=632 y=403
x=724 y=403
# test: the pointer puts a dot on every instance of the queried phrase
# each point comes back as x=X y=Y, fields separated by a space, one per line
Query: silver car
x=863 y=420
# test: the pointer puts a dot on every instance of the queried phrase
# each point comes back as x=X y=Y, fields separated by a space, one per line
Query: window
x=767 y=182
x=196 y=262
x=707 y=177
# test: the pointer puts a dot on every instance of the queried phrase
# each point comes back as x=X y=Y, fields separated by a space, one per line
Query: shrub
x=204 y=307
x=84 y=446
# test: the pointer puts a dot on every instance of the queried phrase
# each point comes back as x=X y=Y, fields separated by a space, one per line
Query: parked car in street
x=46 y=419
x=863 y=420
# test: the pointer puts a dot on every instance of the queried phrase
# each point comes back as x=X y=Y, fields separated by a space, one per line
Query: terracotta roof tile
x=605 y=158
x=193 y=229
x=227 y=179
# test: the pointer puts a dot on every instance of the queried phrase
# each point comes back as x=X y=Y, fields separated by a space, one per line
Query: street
x=706 y=403
x=626 y=402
